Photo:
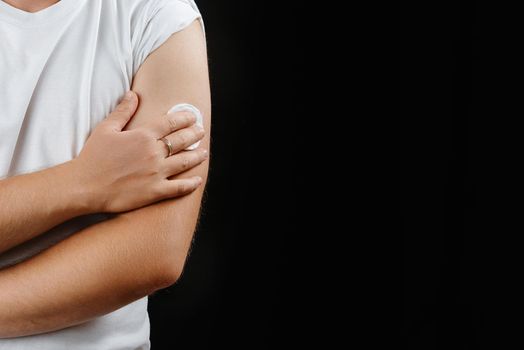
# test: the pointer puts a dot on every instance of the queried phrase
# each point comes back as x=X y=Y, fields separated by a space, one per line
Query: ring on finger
x=169 y=146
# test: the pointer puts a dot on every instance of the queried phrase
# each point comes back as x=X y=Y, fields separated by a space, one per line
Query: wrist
x=79 y=193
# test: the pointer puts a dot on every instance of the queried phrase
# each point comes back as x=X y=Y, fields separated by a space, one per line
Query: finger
x=184 y=138
x=169 y=123
x=124 y=111
x=180 y=187
x=184 y=161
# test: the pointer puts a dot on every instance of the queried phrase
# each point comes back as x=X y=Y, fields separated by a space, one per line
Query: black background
x=231 y=292
x=439 y=69
x=460 y=158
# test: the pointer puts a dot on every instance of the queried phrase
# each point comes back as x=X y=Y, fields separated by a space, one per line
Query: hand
x=125 y=170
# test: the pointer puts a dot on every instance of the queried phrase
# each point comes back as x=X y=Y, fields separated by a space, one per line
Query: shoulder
x=137 y=9
x=136 y=13
x=139 y=27
x=152 y=22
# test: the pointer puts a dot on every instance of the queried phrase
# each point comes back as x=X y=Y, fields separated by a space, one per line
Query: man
x=83 y=284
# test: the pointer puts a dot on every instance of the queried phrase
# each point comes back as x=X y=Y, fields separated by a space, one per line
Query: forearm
x=115 y=262
x=33 y=203
x=92 y=273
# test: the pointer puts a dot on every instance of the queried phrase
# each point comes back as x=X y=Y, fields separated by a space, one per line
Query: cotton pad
x=186 y=107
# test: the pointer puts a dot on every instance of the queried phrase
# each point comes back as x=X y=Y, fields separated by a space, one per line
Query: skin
x=31 y=6
x=134 y=174
x=117 y=261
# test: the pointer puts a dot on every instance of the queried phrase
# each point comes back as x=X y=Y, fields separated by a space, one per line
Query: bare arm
x=115 y=262
x=34 y=203
x=98 y=181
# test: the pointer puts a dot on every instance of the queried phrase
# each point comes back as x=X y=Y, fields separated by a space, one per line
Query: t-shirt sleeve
x=160 y=19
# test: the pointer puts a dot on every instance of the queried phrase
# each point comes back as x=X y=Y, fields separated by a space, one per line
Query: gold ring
x=169 y=146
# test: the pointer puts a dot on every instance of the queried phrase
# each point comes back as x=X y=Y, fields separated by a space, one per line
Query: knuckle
x=153 y=168
x=157 y=164
x=153 y=153
x=180 y=187
x=186 y=163
x=172 y=123
x=150 y=151
x=160 y=153
x=142 y=135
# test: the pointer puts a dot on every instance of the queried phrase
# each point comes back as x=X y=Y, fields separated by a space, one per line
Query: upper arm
x=112 y=263
x=174 y=73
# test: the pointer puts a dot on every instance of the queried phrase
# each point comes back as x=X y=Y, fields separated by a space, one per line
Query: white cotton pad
x=189 y=108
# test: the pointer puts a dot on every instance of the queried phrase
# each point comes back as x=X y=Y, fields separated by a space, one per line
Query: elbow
x=171 y=247
x=169 y=275
x=161 y=273
x=171 y=267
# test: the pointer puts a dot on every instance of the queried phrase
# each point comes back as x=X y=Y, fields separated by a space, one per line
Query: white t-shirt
x=62 y=71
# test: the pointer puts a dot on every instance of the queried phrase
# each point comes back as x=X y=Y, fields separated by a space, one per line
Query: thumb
x=124 y=111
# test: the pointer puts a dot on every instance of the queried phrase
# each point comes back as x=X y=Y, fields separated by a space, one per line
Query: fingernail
x=198 y=180
x=128 y=96
x=205 y=153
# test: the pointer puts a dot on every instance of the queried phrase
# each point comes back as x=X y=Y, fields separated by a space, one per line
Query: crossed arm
x=110 y=264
